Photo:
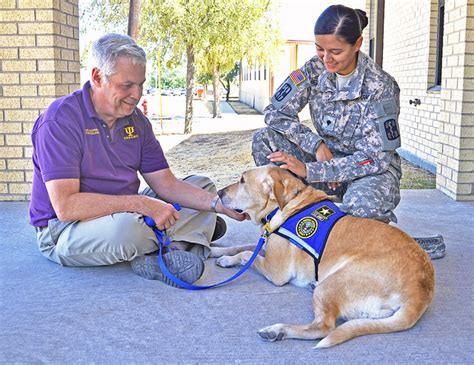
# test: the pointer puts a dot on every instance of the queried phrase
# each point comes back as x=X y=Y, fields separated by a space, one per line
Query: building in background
x=296 y=19
x=428 y=46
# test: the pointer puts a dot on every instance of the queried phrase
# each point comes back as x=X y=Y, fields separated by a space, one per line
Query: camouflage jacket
x=354 y=122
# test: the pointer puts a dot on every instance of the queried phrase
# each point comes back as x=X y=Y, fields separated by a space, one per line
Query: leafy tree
x=180 y=26
x=170 y=79
x=216 y=33
x=239 y=29
x=229 y=77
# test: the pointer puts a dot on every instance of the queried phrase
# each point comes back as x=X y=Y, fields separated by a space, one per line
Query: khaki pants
x=124 y=236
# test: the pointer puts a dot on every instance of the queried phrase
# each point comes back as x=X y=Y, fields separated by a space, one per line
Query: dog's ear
x=285 y=186
x=280 y=193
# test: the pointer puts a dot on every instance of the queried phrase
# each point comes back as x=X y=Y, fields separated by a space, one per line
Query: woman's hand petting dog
x=291 y=163
x=288 y=162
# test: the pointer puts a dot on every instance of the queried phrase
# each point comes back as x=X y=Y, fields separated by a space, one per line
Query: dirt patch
x=224 y=156
x=220 y=156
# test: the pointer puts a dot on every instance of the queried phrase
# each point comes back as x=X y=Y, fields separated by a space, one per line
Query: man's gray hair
x=107 y=49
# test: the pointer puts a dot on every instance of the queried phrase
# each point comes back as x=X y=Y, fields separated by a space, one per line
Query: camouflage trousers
x=373 y=196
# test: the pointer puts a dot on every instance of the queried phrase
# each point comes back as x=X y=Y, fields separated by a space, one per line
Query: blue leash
x=164 y=240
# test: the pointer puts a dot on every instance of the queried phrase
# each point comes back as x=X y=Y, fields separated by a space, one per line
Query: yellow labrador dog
x=371 y=274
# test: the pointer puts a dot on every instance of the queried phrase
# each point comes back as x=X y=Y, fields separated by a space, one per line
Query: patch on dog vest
x=309 y=229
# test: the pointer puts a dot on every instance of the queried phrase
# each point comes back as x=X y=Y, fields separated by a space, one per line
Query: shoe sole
x=433 y=246
x=220 y=230
x=186 y=266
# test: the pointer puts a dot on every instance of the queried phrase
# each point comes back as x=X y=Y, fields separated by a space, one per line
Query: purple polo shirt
x=70 y=141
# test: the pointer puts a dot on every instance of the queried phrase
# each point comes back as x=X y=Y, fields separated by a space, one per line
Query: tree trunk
x=216 y=106
x=190 y=69
x=227 y=95
x=133 y=18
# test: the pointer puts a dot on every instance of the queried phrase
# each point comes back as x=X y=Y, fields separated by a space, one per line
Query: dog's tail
x=403 y=319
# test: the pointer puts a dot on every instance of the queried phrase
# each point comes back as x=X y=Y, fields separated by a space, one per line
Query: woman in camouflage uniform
x=354 y=106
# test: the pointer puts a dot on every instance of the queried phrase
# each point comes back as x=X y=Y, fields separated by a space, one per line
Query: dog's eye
x=242 y=180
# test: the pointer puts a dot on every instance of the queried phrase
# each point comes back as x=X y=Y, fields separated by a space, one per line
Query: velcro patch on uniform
x=391 y=129
x=289 y=88
x=386 y=112
x=297 y=76
x=284 y=93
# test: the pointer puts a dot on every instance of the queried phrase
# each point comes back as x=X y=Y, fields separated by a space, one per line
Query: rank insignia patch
x=297 y=77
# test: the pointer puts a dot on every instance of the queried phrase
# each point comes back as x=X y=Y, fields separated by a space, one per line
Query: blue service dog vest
x=309 y=228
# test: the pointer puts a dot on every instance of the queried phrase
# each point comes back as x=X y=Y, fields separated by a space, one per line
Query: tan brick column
x=39 y=61
x=455 y=165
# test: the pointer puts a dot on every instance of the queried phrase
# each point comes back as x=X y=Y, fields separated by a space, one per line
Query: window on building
x=439 y=44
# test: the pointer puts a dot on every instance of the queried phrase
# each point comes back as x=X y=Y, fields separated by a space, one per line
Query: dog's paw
x=225 y=261
x=272 y=333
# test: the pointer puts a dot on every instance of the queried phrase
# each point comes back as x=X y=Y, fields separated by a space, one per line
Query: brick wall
x=409 y=54
x=455 y=175
x=39 y=61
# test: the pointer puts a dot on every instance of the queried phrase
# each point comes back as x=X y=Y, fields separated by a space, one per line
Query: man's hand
x=323 y=153
x=164 y=214
x=288 y=162
x=220 y=208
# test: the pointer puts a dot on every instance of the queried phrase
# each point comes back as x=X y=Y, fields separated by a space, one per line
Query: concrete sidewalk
x=54 y=314
x=105 y=315
x=170 y=131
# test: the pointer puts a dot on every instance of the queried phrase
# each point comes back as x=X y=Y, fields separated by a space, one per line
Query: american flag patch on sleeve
x=297 y=76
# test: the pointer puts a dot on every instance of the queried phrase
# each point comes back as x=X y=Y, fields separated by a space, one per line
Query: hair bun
x=362 y=15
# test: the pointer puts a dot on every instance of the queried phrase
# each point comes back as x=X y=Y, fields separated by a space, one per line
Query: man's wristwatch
x=214 y=203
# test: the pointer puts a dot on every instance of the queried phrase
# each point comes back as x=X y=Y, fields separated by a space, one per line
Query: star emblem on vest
x=130 y=132
x=323 y=213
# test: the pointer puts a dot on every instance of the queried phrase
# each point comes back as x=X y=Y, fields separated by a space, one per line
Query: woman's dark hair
x=343 y=22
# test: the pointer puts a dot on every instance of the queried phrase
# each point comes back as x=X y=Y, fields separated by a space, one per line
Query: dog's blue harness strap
x=164 y=240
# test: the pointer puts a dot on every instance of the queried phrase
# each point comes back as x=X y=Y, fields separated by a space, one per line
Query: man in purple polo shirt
x=88 y=148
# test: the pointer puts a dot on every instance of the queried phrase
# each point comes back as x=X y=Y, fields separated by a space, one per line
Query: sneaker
x=220 y=230
x=433 y=246
x=186 y=266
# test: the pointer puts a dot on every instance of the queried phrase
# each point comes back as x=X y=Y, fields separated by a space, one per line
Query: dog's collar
x=266 y=220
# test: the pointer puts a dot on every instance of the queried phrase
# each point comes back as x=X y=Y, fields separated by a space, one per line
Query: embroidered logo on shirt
x=297 y=77
x=130 y=131
x=306 y=227
x=323 y=213
x=92 y=131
